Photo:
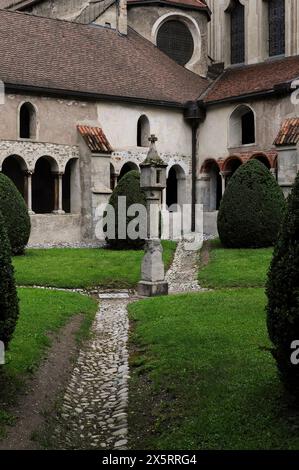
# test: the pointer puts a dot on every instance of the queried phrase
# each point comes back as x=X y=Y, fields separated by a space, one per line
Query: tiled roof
x=95 y=139
x=247 y=79
x=194 y=4
x=69 y=57
x=288 y=133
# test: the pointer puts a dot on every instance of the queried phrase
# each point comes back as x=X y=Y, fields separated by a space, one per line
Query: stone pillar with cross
x=153 y=181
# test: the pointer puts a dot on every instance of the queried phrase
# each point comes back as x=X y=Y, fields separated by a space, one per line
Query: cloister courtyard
x=196 y=372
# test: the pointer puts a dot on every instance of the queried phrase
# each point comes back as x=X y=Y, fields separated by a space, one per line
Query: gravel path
x=94 y=407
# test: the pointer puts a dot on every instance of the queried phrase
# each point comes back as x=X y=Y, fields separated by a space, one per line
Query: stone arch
x=27 y=124
x=15 y=168
x=242 y=126
x=128 y=166
x=263 y=158
x=230 y=166
x=191 y=25
x=43 y=185
x=175 y=186
x=143 y=131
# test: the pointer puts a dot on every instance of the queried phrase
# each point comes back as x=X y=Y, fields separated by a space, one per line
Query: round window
x=175 y=39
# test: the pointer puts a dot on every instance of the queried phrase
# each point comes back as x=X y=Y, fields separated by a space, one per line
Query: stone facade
x=219 y=150
x=256 y=30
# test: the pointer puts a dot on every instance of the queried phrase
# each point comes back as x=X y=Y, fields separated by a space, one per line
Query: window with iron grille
x=237 y=19
x=276 y=27
x=175 y=39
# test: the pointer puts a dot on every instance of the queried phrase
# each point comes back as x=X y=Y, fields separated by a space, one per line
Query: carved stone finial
x=153 y=158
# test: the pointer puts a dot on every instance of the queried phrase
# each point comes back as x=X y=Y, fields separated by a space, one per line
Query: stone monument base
x=152 y=289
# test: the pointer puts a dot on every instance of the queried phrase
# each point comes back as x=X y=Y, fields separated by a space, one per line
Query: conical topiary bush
x=128 y=186
x=251 y=209
x=8 y=295
x=283 y=294
x=15 y=214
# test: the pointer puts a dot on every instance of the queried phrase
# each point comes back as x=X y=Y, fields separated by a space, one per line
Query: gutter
x=45 y=91
x=278 y=90
x=194 y=113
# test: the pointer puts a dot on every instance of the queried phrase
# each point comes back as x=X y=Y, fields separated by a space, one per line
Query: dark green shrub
x=251 y=209
x=9 y=309
x=128 y=186
x=15 y=213
x=283 y=294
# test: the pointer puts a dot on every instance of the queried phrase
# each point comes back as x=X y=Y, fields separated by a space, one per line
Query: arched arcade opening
x=14 y=167
x=43 y=186
x=129 y=166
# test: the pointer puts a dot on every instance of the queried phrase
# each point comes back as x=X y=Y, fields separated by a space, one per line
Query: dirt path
x=43 y=390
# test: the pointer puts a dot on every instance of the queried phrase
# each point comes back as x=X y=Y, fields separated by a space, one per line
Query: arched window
x=27 y=124
x=276 y=27
x=143 y=131
x=175 y=39
x=237 y=20
x=242 y=127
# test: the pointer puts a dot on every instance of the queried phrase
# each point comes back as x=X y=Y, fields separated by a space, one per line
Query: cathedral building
x=87 y=81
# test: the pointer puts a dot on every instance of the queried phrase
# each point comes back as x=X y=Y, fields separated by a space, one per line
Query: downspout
x=194 y=113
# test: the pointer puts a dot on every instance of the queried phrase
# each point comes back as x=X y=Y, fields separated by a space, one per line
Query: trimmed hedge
x=283 y=294
x=128 y=186
x=9 y=309
x=251 y=209
x=15 y=213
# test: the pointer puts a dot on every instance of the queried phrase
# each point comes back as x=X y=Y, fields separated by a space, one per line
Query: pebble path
x=93 y=410
x=94 y=407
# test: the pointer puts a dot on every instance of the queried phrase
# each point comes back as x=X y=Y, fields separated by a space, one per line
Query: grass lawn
x=83 y=268
x=202 y=376
x=235 y=268
x=41 y=312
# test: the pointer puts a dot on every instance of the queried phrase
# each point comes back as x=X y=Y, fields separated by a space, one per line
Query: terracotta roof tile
x=288 y=133
x=195 y=4
x=95 y=139
x=247 y=79
x=60 y=55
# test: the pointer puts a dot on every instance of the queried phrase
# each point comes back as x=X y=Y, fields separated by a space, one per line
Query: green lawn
x=235 y=268
x=83 y=268
x=202 y=374
x=41 y=312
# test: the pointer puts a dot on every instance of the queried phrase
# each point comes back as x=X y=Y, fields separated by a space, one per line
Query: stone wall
x=256 y=30
x=146 y=21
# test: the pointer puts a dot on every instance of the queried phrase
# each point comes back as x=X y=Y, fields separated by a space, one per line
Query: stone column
x=58 y=194
x=224 y=178
x=28 y=190
x=273 y=172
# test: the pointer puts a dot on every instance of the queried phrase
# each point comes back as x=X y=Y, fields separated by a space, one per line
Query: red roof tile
x=95 y=139
x=247 y=79
x=288 y=133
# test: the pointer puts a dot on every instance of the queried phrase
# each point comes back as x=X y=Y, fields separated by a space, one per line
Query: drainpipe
x=194 y=113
